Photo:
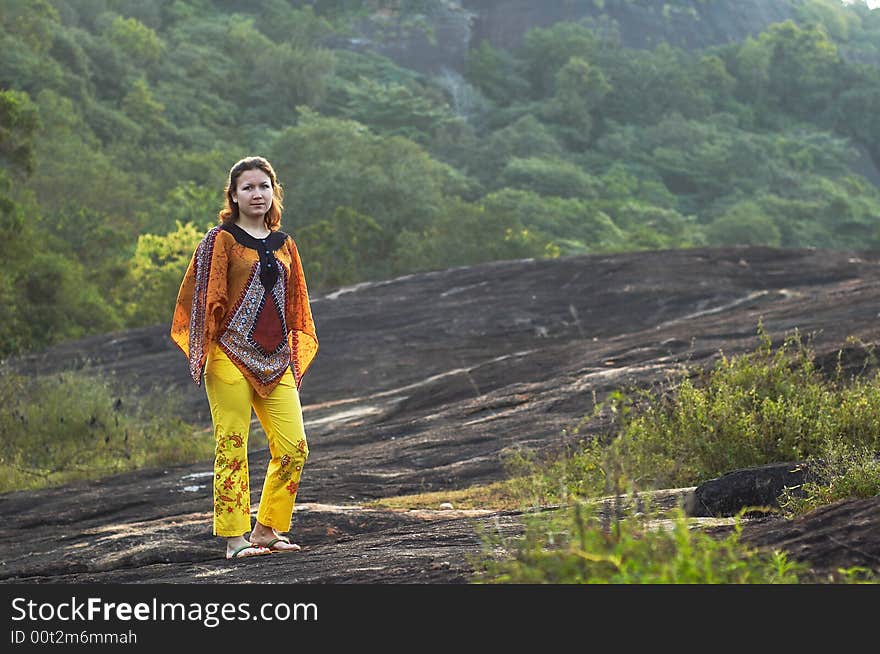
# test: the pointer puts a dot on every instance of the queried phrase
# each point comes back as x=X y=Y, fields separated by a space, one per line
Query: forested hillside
x=119 y=120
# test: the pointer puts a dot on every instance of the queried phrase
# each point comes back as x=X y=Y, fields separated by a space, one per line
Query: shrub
x=844 y=471
x=70 y=426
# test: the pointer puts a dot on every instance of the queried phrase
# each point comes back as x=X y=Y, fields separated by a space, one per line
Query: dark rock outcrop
x=756 y=487
x=836 y=537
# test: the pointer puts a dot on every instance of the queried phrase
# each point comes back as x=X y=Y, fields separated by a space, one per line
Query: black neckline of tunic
x=265 y=248
x=274 y=240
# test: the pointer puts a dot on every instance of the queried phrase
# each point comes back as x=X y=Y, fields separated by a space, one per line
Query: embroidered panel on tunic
x=294 y=359
x=198 y=309
x=255 y=333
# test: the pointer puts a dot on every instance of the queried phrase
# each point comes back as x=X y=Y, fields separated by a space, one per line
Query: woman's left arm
x=302 y=335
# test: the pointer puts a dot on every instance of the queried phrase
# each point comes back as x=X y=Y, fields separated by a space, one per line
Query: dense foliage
x=119 y=120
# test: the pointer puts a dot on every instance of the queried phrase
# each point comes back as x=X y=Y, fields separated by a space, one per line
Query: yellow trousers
x=231 y=398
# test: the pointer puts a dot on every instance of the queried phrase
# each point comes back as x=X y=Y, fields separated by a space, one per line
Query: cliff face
x=442 y=37
x=641 y=23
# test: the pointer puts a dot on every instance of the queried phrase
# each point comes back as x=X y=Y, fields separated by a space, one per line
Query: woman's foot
x=241 y=548
x=267 y=537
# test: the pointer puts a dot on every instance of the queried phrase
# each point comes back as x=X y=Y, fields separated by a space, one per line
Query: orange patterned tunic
x=248 y=296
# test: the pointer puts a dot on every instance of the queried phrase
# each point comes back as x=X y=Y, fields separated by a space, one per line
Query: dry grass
x=498 y=495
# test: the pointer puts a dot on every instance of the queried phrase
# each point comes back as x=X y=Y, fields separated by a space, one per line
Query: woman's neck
x=256 y=227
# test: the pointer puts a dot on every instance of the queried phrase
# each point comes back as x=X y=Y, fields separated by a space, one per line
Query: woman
x=243 y=319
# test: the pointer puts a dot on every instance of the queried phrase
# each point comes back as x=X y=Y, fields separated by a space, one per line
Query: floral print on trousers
x=232 y=398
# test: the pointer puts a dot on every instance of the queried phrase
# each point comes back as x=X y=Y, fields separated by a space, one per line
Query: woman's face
x=253 y=193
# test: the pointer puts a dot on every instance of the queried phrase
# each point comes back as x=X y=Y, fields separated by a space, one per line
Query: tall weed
x=571 y=546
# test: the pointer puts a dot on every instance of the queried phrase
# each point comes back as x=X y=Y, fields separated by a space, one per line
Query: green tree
x=467 y=234
x=347 y=248
x=574 y=225
x=144 y=110
x=191 y=201
x=287 y=75
x=546 y=50
x=712 y=76
x=526 y=137
x=18 y=122
x=621 y=184
x=496 y=72
x=300 y=25
x=61 y=301
x=292 y=76
x=46 y=296
x=157 y=269
x=33 y=21
x=136 y=40
x=555 y=177
x=15 y=235
x=111 y=71
x=330 y=162
x=26 y=36
x=803 y=63
x=580 y=89
x=650 y=227
x=395 y=109
x=854 y=113
x=72 y=169
x=743 y=224
x=648 y=85
x=751 y=69
x=834 y=17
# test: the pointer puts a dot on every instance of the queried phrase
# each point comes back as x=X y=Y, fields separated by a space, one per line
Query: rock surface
x=425 y=383
x=836 y=537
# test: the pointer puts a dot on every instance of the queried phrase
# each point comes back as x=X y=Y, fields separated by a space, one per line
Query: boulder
x=755 y=487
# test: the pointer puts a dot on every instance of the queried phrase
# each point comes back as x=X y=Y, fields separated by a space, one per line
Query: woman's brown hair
x=229 y=212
